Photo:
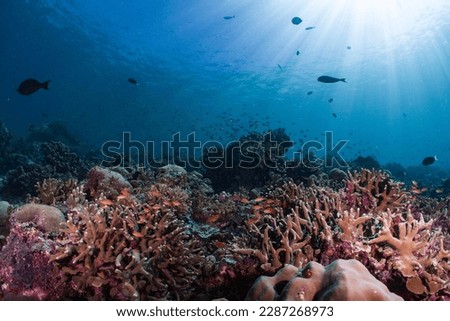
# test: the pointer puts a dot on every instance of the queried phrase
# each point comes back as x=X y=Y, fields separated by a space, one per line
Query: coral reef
x=370 y=220
x=51 y=191
x=342 y=280
x=361 y=162
x=5 y=210
x=5 y=138
x=248 y=162
x=47 y=160
x=103 y=181
x=51 y=132
x=133 y=234
x=24 y=162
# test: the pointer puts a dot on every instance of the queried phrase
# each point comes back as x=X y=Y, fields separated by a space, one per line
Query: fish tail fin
x=435 y=157
x=45 y=84
x=342 y=79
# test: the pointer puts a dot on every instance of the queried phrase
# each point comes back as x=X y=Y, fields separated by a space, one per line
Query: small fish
x=106 y=202
x=244 y=200
x=219 y=244
x=132 y=81
x=229 y=17
x=404 y=115
x=329 y=80
x=298 y=53
x=310 y=28
x=309 y=93
x=296 y=20
x=213 y=218
x=349 y=47
x=29 y=86
x=279 y=66
x=269 y=210
x=330 y=100
x=138 y=235
x=334 y=115
x=429 y=160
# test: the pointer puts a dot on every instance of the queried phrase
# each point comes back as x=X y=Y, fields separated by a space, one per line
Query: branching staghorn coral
x=325 y=225
x=50 y=191
x=126 y=252
x=416 y=254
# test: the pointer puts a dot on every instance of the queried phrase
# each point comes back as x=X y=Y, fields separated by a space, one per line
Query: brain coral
x=46 y=218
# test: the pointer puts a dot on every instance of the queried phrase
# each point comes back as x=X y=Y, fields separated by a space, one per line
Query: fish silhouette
x=329 y=80
x=29 y=86
x=429 y=160
x=296 y=20
x=132 y=81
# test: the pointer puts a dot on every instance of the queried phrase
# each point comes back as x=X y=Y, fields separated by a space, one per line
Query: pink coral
x=342 y=280
x=25 y=272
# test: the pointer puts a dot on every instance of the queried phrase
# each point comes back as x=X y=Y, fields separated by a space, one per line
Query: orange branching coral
x=412 y=238
x=162 y=196
x=415 y=251
x=375 y=189
x=320 y=224
x=352 y=225
x=126 y=252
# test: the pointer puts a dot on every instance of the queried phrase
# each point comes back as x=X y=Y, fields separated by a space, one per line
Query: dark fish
x=309 y=93
x=132 y=81
x=29 y=86
x=229 y=17
x=298 y=52
x=279 y=66
x=334 y=115
x=349 y=47
x=330 y=100
x=429 y=160
x=310 y=28
x=329 y=80
x=404 y=115
x=296 y=20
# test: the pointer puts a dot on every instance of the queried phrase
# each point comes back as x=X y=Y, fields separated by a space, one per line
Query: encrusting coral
x=25 y=271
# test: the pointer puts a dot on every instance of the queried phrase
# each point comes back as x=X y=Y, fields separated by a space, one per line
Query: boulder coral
x=342 y=280
x=46 y=218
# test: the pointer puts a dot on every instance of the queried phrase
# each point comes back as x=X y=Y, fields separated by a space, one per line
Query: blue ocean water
x=221 y=78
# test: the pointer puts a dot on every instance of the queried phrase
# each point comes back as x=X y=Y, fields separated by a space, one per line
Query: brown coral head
x=46 y=218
